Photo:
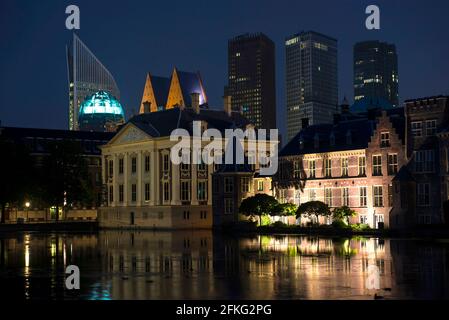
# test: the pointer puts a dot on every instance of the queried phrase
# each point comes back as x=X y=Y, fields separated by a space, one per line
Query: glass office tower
x=311 y=80
x=86 y=76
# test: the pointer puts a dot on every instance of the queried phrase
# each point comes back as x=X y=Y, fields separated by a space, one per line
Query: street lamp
x=27 y=205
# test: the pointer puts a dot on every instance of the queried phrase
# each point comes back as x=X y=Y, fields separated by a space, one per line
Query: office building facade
x=251 y=78
x=311 y=80
x=376 y=71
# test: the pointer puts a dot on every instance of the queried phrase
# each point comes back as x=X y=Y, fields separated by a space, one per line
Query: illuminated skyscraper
x=311 y=80
x=251 y=82
x=376 y=71
x=86 y=76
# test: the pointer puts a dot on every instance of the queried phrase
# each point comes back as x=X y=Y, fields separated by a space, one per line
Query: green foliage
x=313 y=209
x=284 y=209
x=259 y=205
x=343 y=214
x=360 y=227
x=266 y=220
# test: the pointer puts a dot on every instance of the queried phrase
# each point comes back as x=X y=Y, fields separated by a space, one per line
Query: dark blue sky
x=133 y=37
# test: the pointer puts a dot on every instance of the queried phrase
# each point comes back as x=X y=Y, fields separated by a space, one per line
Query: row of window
x=185 y=191
x=378 y=200
x=392 y=161
x=421 y=128
x=186 y=215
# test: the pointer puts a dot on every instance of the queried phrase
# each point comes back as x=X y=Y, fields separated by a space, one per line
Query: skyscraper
x=86 y=76
x=376 y=71
x=251 y=82
x=311 y=80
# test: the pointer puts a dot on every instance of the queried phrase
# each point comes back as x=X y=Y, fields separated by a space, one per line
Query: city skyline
x=124 y=56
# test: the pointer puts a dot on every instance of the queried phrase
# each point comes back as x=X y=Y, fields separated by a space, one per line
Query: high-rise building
x=376 y=71
x=311 y=80
x=251 y=82
x=86 y=76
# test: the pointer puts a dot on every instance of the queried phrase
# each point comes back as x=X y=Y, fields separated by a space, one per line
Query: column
x=154 y=178
x=140 y=196
x=175 y=185
x=125 y=179
x=194 y=184
x=210 y=169
x=114 y=180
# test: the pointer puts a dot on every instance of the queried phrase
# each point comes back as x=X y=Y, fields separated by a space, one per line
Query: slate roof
x=191 y=82
x=360 y=127
x=162 y=123
x=161 y=86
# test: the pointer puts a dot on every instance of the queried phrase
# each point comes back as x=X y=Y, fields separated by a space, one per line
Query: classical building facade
x=348 y=163
x=145 y=188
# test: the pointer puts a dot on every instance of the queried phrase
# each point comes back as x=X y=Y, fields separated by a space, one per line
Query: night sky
x=134 y=37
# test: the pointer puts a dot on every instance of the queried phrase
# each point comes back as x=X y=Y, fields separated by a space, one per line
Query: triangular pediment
x=129 y=134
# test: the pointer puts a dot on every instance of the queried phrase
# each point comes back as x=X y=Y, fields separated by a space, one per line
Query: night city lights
x=224 y=159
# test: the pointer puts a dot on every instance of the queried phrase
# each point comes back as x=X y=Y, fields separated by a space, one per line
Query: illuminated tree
x=343 y=214
x=313 y=209
x=284 y=209
x=258 y=205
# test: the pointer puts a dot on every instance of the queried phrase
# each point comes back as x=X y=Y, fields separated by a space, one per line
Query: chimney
x=227 y=103
x=195 y=96
x=146 y=107
x=304 y=123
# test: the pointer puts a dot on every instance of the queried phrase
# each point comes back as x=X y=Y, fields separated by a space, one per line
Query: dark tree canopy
x=258 y=205
x=313 y=209
x=284 y=209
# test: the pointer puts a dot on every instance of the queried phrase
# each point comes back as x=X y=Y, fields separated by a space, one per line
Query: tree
x=284 y=209
x=313 y=209
x=15 y=174
x=259 y=205
x=65 y=179
x=343 y=214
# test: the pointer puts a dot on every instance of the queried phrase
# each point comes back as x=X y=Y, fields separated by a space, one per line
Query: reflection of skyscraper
x=311 y=80
x=251 y=72
x=86 y=76
x=376 y=71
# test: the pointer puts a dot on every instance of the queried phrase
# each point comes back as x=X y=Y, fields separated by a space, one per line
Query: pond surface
x=203 y=265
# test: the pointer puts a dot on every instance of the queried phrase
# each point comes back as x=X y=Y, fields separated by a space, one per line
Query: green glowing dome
x=101 y=102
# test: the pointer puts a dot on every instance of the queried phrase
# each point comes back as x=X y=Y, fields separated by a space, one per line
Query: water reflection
x=200 y=265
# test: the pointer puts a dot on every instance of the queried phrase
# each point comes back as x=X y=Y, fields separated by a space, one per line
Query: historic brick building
x=348 y=163
x=421 y=188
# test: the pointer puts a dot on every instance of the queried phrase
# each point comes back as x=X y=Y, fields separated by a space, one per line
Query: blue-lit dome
x=100 y=111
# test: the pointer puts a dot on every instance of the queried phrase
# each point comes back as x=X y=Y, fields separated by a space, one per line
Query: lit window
x=260 y=185
x=392 y=164
x=363 y=197
x=344 y=167
x=312 y=169
x=345 y=197
x=328 y=168
x=377 y=165
x=362 y=166
x=384 y=139
x=378 y=197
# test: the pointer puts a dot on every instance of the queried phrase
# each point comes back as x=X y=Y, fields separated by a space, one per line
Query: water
x=203 y=265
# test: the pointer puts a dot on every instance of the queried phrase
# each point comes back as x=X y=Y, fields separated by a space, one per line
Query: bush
x=279 y=224
x=266 y=220
x=360 y=227
x=339 y=224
